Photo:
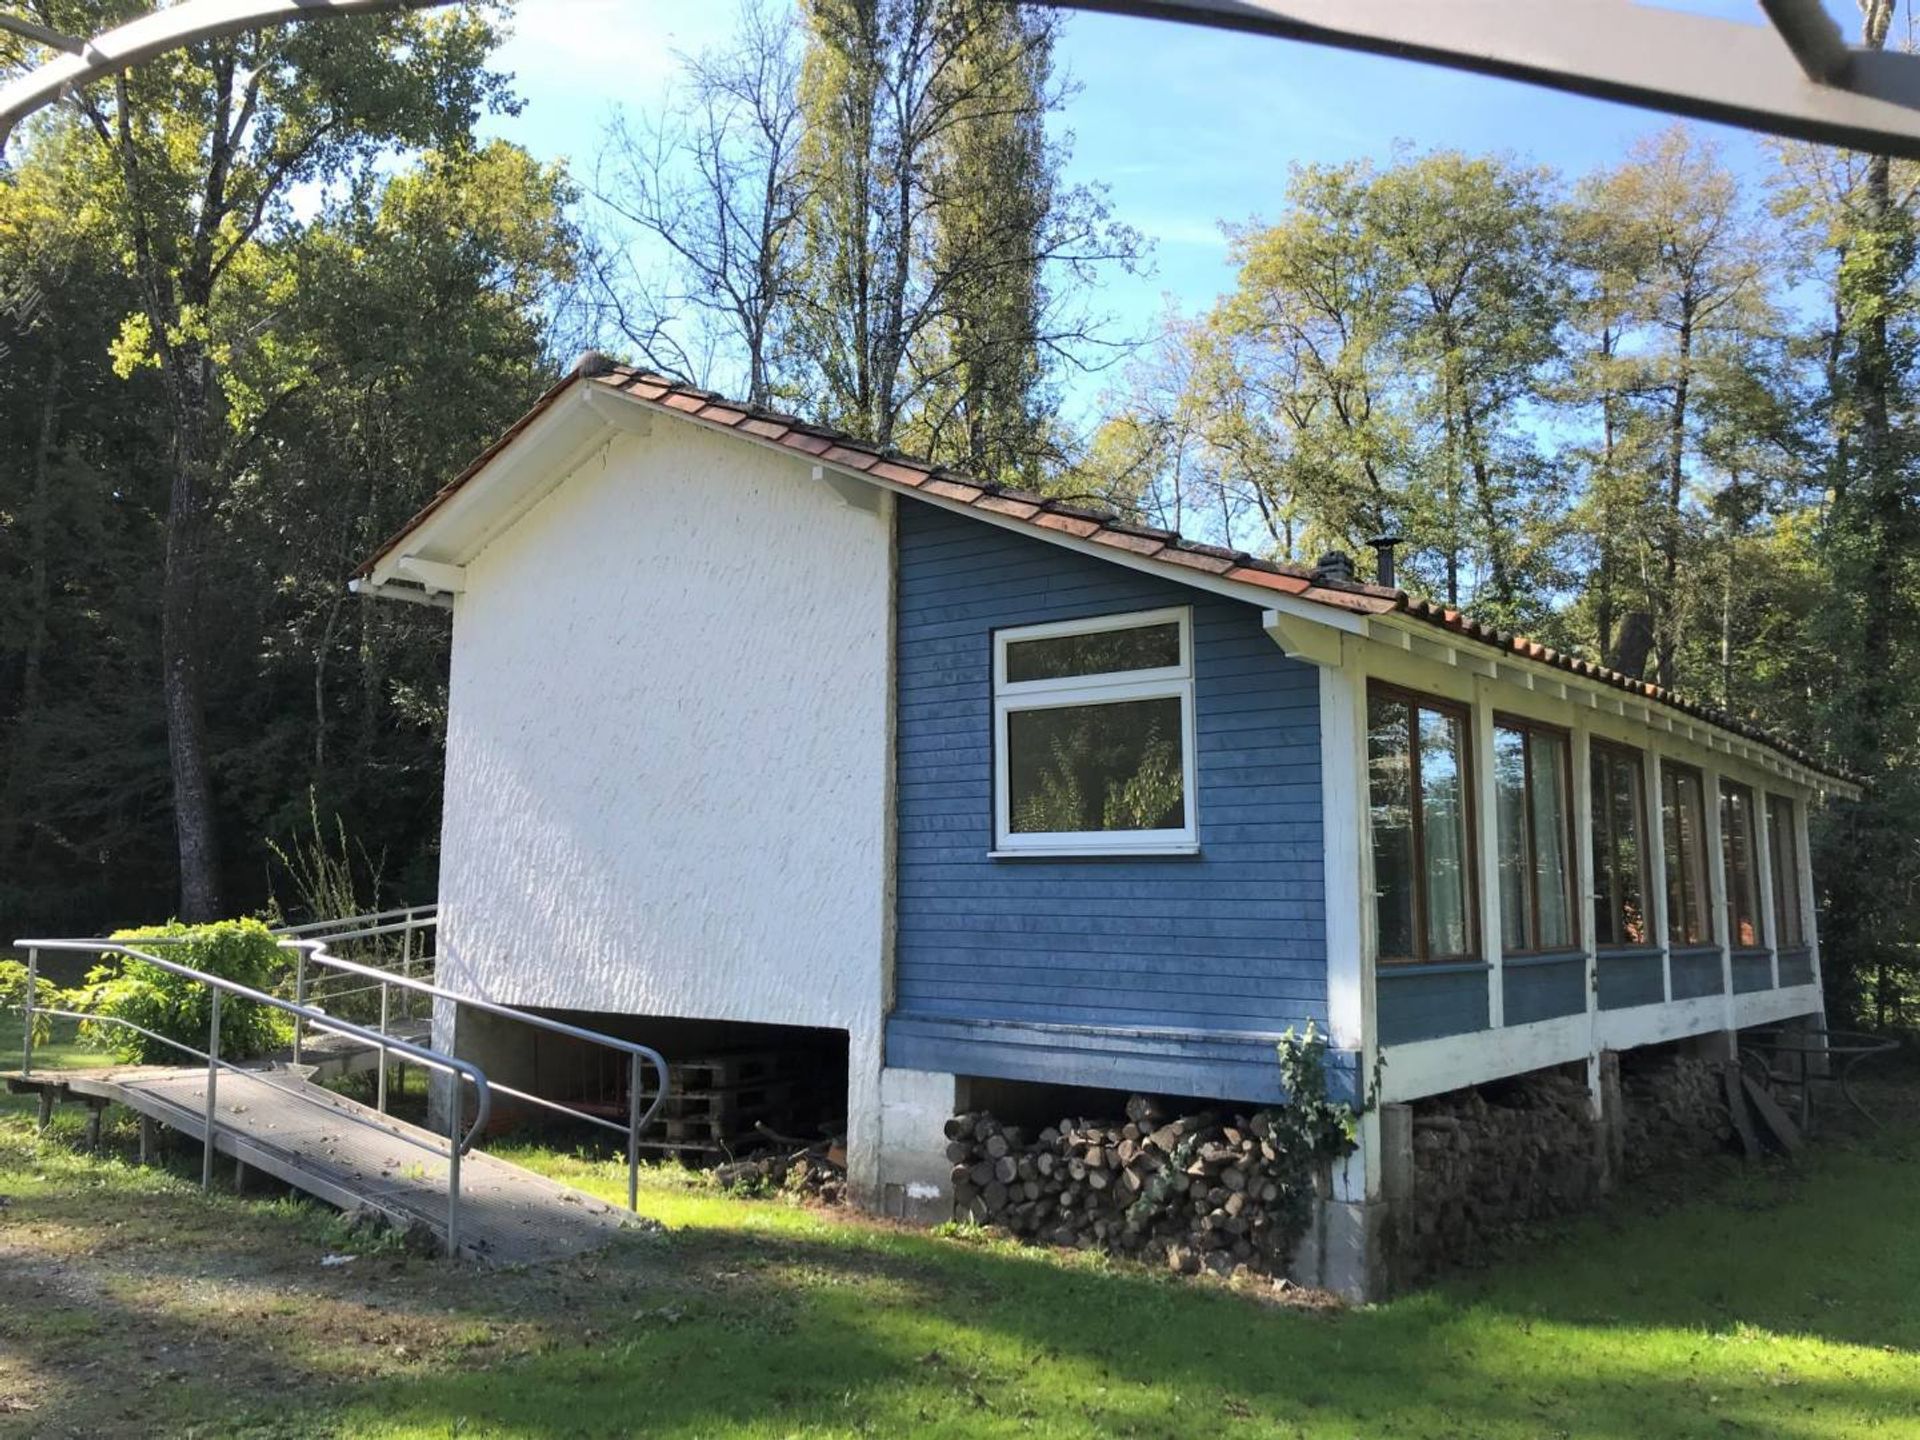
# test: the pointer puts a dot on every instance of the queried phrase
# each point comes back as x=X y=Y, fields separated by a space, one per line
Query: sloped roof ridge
x=832 y=445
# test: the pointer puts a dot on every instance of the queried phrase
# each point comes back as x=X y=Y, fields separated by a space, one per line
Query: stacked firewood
x=1487 y=1160
x=1194 y=1192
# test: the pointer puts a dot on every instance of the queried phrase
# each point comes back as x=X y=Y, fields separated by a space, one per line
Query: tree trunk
x=1666 y=630
x=181 y=649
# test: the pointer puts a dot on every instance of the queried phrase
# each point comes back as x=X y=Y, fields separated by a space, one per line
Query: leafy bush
x=181 y=1009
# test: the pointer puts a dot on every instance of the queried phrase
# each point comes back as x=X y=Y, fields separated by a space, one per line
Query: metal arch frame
x=1795 y=76
x=83 y=61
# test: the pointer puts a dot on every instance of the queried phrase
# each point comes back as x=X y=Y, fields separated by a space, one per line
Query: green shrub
x=181 y=1009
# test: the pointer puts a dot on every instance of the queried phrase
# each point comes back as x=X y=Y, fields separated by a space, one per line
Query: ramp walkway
x=352 y=1156
x=275 y=1118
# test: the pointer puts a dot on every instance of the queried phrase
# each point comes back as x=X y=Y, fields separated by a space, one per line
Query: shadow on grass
x=1778 y=1305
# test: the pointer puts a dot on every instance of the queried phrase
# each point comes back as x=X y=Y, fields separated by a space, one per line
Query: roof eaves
x=1081 y=523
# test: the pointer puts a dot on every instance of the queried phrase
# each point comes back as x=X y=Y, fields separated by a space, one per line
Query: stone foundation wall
x=1489 y=1161
x=1675 y=1110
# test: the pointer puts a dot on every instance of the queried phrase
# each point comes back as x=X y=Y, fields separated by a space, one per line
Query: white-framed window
x=1093 y=736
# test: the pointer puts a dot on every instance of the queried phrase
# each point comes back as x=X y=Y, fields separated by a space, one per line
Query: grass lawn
x=1761 y=1302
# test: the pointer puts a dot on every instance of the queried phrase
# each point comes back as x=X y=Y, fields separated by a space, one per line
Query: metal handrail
x=371 y=918
x=218 y=985
x=637 y=1119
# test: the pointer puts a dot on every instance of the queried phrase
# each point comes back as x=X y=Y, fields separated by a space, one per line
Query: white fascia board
x=530 y=466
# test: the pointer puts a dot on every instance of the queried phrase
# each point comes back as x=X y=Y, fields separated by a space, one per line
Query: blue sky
x=1186 y=127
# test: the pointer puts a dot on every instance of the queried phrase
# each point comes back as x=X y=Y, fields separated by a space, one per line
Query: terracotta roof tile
x=1043 y=513
x=959 y=490
x=1123 y=540
x=1008 y=505
x=1267 y=579
x=851 y=458
x=1195 y=560
x=893 y=470
x=1075 y=525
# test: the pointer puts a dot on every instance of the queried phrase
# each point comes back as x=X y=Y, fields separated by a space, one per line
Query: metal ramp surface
x=351 y=1155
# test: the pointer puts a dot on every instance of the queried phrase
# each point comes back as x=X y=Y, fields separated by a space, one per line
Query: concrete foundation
x=911 y=1167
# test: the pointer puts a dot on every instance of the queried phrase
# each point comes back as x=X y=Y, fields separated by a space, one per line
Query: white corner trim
x=1348 y=858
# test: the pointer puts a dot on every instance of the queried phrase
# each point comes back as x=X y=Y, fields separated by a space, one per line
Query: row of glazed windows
x=1424 y=857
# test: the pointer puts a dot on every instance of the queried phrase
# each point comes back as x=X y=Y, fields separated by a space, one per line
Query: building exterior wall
x=1162 y=973
x=668 y=747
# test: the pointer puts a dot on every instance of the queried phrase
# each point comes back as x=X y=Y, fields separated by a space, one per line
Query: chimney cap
x=1334 y=566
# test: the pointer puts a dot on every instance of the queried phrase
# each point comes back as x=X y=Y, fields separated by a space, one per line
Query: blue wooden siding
x=1796 y=967
x=1752 y=970
x=1631 y=977
x=1229 y=942
x=1543 y=987
x=1696 y=973
x=1425 y=1002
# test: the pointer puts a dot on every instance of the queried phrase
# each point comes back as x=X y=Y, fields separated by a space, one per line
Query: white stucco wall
x=668 y=746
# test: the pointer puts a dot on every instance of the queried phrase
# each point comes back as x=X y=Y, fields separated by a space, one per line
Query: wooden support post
x=149 y=1139
x=46 y=1108
x=93 y=1124
x=239 y=1176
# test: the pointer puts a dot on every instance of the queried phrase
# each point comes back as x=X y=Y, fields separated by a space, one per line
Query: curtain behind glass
x=1552 y=865
x=1443 y=830
x=1510 y=828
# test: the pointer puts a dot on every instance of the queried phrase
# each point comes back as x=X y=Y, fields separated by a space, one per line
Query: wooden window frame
x=1470 y=899
x=1160 y=683
x=1785 y=865
x=1614 y=752
x=1523 y=726
x=1728 y=788
x=1674 y=769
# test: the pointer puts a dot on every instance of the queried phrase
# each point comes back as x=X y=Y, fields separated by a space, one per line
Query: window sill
x=1629 y=952
x=1138 y=852
x=1544 y=957
x=1394 y=969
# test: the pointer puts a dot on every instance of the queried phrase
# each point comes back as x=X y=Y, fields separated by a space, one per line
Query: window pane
x=1785 y=844
x=1552 y=866
x=1685 y=825
x=1091 y=768
x=1510 y=826
x=1390 y=784
x=1619 y=906
x=1443 y=830
x=1144 y=647
x=1736 y=835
